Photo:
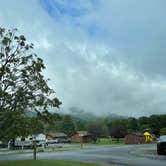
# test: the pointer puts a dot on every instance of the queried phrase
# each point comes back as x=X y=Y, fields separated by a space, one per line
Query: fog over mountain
x=102 y=56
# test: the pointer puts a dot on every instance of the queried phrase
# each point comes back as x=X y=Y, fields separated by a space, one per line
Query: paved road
x=129 y=155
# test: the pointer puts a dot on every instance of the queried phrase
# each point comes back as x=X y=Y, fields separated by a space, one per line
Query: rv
x=27 y=142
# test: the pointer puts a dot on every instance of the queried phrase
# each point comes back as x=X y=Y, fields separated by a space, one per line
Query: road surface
x=127 y=155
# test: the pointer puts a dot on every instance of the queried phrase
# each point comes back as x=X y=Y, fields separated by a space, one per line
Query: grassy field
x=107 y=141
x=46 y=163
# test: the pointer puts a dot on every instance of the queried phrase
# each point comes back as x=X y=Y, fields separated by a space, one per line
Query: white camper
x=28 y=141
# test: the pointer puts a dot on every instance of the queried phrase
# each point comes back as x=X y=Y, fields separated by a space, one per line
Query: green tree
x=67 y=125
x=54 y=124
x=118 y=129
x=37 y=125
x=132 y=124
x=13 y=124
x=97 y=129
x=163 y=131
x=162 y=120
x=23 y=88
x=80 y=124
x=143 y=122
x=154 y=124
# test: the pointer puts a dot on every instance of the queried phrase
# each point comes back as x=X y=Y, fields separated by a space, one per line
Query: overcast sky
x=102 y=56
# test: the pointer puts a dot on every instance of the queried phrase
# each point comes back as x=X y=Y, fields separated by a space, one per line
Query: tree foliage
x=163 y=131
x=97 y=129
x=67 y=125
x=23 y=88
x=118 y=129
x=132 y=124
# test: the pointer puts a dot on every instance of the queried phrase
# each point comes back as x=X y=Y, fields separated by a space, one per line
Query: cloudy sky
x=102 y=56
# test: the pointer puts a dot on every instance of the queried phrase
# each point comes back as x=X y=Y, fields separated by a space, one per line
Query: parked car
x=58 y=140
x=63 y=140
x=51 y=141
x=161 y=145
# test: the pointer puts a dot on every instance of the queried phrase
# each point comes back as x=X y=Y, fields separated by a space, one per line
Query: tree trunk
x=117 y=140
x=34 y=149
x=13 y=144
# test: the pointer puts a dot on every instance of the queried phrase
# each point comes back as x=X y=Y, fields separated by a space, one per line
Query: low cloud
x=109 y=59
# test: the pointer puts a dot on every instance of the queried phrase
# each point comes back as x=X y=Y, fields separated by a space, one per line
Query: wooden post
x=81 y=140
x=81 y=143
x=13 y=143
x=34 y=149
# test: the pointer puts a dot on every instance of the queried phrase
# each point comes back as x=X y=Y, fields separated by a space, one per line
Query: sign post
x=81 y=140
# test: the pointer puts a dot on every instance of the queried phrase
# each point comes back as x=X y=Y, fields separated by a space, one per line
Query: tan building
x=81 y=136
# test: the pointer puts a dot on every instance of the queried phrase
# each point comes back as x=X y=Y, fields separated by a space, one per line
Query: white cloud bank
x=93 y=73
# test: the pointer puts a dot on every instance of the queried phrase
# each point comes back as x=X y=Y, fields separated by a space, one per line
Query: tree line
x=69 y=124
x=104 y=127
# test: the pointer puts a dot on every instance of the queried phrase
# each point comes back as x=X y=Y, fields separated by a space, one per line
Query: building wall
x=135 y=139
x=77 y=138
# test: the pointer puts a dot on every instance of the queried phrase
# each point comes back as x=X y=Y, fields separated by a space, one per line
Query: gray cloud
x=118 y=70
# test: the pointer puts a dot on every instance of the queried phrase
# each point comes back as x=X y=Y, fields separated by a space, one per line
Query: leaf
x=22 y=37
x=16 y=37
x=22 y=43
x=5 y=40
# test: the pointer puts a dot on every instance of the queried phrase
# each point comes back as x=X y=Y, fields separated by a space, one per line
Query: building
x=135 y=138
x=50 y=136
x=81 y=136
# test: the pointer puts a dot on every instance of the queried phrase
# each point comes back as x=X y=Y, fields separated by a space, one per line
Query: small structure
x=135 y=138
x=81 y=136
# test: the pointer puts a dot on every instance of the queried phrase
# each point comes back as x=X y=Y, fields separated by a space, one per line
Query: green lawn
x=107 y=141
x=46 y=163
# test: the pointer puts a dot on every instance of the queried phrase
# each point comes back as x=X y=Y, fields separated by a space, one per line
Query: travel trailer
x=27 y=142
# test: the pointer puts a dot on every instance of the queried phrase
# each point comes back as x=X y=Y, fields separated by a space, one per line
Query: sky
x=102 y=56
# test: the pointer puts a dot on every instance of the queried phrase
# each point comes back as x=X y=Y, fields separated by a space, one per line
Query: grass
x=107 y=141
x=47 y=163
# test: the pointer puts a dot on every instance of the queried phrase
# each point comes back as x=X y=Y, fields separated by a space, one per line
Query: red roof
x=56 y=135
